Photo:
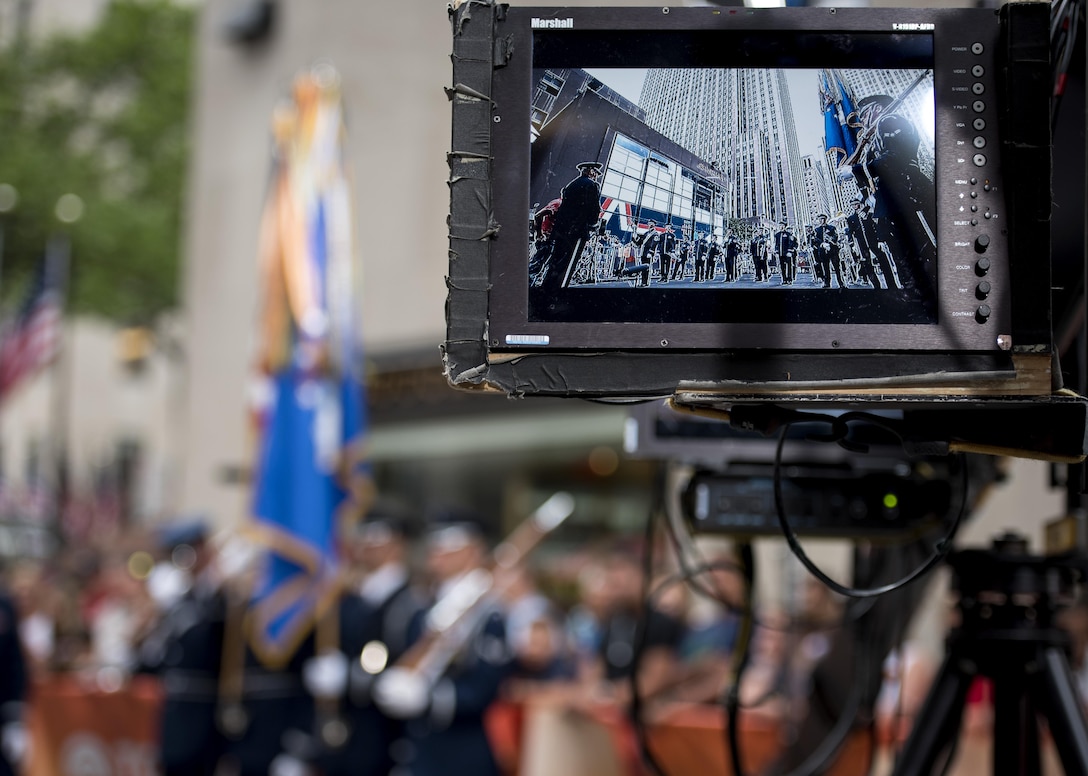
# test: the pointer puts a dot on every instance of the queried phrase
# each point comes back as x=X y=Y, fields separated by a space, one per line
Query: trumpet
x=454 y=618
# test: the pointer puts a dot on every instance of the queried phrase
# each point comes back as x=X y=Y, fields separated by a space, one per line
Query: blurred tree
x=102 y=114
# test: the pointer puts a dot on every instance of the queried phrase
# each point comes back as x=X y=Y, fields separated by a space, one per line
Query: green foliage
x=103 y=115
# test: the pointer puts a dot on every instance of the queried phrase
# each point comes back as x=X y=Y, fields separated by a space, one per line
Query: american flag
x=32 y=339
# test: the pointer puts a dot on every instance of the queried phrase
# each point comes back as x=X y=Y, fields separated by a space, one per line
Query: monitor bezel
x=958 y=327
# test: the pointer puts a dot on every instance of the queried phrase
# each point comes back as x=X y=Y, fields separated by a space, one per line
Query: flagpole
x=9 y=198
x=69 y=210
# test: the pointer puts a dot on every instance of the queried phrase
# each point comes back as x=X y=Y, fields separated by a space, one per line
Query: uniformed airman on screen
x=575 y=218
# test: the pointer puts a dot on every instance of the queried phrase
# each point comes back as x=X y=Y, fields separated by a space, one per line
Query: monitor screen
x=761 y=201
x=681 y=176
x=719 y=179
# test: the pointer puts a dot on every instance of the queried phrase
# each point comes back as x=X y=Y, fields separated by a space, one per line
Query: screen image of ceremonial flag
x=32 y=339
x=311 y=421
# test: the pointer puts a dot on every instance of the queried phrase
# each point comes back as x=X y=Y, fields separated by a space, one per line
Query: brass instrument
x=454 y=618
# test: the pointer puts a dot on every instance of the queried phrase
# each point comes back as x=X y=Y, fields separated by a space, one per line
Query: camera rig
x=968 y=360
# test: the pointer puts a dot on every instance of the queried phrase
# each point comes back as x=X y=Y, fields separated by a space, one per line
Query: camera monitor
x=723 y=197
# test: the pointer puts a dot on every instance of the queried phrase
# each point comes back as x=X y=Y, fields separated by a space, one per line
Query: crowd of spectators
x=82 y=611
x=575 y=641
x=88 y=609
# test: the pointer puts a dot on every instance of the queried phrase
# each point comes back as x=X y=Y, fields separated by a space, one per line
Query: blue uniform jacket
x=450 y=737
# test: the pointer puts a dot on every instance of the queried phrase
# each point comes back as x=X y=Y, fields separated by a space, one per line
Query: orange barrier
x=540 y=738
x=75 y=727
x=692 y=739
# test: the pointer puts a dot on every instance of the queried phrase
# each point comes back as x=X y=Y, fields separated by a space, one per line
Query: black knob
x=982 y=242
x=982 y=313
x=982 y=266
x=983 y=289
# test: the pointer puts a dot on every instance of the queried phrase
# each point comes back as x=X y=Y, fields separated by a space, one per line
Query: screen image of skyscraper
x=765 y=130
x=714 y=163
x=740 y=120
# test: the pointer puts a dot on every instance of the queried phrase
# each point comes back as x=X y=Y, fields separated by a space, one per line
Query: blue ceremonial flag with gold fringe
x=311 y=475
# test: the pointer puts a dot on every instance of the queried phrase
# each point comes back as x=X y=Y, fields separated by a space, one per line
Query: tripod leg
x=1016 y=727
x=1061 y=704
x=938 y=722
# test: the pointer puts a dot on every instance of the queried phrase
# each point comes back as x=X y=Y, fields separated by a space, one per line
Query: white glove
x=166 y=584
x=326 y=676
x=14 y=742
x=402 y=693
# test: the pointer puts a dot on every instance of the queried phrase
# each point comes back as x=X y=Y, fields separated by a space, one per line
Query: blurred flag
x=834 y=143
x=840 y=119
x=31 y=340
x=848 y=116
x=311 y=422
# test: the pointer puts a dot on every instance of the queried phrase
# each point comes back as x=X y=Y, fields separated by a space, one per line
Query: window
x=552 y=82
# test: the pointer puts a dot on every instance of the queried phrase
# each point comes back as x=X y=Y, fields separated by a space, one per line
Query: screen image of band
x=800 y=185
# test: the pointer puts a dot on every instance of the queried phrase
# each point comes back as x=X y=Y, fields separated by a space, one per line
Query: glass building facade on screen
x=645 y=175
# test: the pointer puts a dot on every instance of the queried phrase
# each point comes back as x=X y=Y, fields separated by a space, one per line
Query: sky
x=626 y=81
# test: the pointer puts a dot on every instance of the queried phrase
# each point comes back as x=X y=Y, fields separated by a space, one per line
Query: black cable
x=897 y=717
x=741 y=657
x=855 y=609
x=820 y=757
x=874 y=743
x=943 y=546
x=685 y=576
x=1065 y=22
x=635 y=711
x=835 y=737
x=691 y=574
x=953 y=750
x=833 y=741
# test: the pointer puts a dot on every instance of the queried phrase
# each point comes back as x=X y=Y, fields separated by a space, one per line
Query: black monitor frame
x=992 y=297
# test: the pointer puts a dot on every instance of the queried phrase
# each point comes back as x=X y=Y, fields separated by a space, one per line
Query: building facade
x=429 y=445
x=645 y=175
x=556 y=88
x=742 y=122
